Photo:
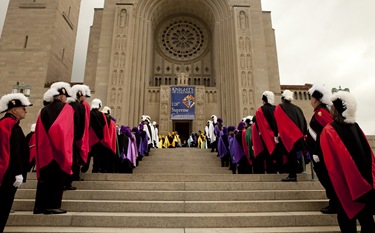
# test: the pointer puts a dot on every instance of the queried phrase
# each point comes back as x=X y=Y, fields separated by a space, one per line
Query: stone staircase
x=180 y=190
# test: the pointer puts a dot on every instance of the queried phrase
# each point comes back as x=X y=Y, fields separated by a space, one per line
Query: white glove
x=316 y=158
x=276 y=139
x=18 y=182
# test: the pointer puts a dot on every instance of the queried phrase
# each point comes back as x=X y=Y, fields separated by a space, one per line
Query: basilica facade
x=223 y=51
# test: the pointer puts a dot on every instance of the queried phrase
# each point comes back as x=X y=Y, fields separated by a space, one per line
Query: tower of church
x=37 y=46
x=140 y=49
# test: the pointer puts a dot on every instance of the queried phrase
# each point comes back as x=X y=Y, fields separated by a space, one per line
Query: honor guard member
x=54 y=136
x=350 y=163
x=291 y=124
x=80 y=145
x=14 y=151
x=266 y=124
x=320 y=100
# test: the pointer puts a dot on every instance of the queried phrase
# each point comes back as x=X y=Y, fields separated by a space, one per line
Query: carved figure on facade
x=200 y=95
x=245 y=112
x=122 y=60
x=243 y=78
x=119 y=95
x=251 y=96
x=250 y=77
x=118 y=42
x=244 y=96
x=164 y=95
x=113 y=95
x=247 y=44
x=118 y=113
x=183 y=78
x=242 y=61
x=116 y=60
x=248 y=61
x=114 y=77
x=123 y=15
x=243 y=20
x=123 y=43
x=164 y=109
x=121 y=78
x=241 y=44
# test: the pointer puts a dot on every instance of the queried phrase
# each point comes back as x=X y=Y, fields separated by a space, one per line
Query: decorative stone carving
x=182 y=78
x=242 y=61
x=164 y=109
x=116 y=60
x=119 y=95
x=118 y=42
x=246 y=112
x=250 y=77
x=248 y=61
x=243 y=20
x=122 y=60
x=251 y=96
x=164 y=94
x=118 y=113
x=114 y=77
x=123 y=43
x=247 y=44
x=241 y=44
x=122 y=19
x=121 y=78
x=244 y=96
x=113 y=95
x=243 y=78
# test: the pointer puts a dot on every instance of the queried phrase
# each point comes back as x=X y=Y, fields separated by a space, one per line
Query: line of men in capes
x=276 y=140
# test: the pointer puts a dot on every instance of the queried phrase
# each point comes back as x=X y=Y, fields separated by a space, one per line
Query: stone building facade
x=138 y=49
x=37 y=47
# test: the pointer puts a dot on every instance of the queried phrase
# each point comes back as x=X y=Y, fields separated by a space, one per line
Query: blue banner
x=183 y=103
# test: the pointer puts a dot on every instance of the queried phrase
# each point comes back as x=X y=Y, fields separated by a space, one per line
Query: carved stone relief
x=113 y=95
x=118 y=113
x=244 y=96
x=247 y=44
x=242 y=61
x=119 y=95
x=245 y=112
x=121 y=78
x=241 y=44
x=243 y=20
x=251 y=97
x=114 y=77
x=248 y=61
x=122 y=60
x=250 y=78
x=122 y=19
x=243 y=78
x=123 y=43
x=116 y=60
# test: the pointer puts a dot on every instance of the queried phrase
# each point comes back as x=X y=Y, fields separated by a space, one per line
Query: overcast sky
x=329 y=42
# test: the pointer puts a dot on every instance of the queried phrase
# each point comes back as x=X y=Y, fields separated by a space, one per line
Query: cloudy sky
x=318 y=41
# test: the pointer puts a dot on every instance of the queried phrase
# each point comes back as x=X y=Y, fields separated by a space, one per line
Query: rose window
x=183 y=39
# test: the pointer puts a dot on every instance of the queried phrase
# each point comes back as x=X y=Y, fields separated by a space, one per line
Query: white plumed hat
x=268 y=97
x=345 y=104
x=287 y=95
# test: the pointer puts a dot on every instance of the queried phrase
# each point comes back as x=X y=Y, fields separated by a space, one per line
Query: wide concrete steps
x=330 y=229
x=174 y=220
x=180 y=190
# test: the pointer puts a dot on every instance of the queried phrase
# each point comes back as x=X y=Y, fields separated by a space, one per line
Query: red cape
x=57 y=143
x=83 y=144
x=347 y=181
x=266 y=132
x=32 y=147
x=109 y=135
x=6 y=126
x=323 y=116
x=289 y=132
x=257 y=142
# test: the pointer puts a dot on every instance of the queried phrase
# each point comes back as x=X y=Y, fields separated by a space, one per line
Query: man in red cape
x=351 y=165
x=268 y=132
x=81 y=132
x=14 y=151
x=291 y=124
x=54 y=136
x=320 y=99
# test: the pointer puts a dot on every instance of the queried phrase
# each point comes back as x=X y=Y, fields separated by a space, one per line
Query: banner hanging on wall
x=182 y=103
